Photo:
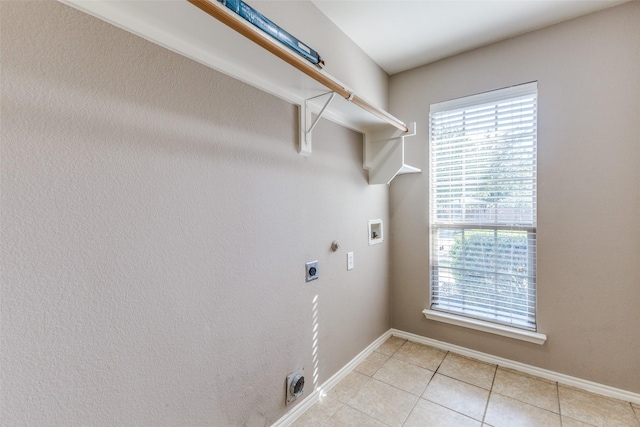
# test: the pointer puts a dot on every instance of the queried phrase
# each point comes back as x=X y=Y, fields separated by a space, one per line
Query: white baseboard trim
x=590 y=386
x=288 y=418
x=616 y=393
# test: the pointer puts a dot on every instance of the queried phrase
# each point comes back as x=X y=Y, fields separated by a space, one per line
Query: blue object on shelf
x=260 y=21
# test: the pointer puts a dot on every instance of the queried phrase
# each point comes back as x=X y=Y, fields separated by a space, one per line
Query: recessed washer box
x=376 y=231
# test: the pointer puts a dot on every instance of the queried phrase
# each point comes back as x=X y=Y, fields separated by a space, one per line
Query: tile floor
x=406 y=384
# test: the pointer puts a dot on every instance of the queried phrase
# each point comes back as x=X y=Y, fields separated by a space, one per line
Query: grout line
x=637 y=414
x=440 y=364
x=466 y=382
x=486 y=407
x=559 y=404
x=526 y=403
x=370 y=378
x=364 y=413
x=456 y=379
x=396 y=350
x=376 y=369
x=425 y=387
x=342 y=405
x=428 y=382
x=411 y=363
x=453 y=410
x=397 y=388
x=555 y=383
x=414 y=407
x=577 y=420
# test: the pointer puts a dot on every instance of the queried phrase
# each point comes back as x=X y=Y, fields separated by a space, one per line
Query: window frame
x=460 y=317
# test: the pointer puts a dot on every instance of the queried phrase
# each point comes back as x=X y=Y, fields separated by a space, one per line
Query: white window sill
x=480 y=325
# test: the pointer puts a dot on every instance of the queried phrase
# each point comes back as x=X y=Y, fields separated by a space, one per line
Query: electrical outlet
x=311 y=270
x=350 y=261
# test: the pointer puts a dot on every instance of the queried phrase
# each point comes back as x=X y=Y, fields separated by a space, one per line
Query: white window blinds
x=483 y=206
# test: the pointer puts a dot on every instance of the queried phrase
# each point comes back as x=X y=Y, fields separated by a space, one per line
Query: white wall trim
x=479 y=325
x=590 y=386
x=322 y=390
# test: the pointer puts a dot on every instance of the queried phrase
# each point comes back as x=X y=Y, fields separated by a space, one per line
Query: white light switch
x=350 y=261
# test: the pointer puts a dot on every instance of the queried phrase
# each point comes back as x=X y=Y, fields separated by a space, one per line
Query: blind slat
x=483 y=206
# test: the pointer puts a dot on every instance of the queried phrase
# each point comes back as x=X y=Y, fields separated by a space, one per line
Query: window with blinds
x=483 y=206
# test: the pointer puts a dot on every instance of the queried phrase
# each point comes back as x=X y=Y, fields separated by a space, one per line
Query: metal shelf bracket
x=307 y=124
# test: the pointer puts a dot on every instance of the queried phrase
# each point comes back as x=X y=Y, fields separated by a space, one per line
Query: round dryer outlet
x=295 y=385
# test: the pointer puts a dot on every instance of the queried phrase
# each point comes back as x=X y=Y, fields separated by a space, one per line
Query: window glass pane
x=483 y=206
x=486 y=273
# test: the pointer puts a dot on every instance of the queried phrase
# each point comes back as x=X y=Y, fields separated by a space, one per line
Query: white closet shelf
x=185 y=29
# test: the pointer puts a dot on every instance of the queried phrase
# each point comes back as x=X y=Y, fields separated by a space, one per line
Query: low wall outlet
x=311 y=269
x=295 y=385
x=350 y=261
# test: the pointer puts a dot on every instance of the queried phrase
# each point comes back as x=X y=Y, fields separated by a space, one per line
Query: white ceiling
x=400 y=34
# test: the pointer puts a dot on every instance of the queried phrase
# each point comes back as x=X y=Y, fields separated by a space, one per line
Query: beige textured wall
x=588 y=192
x=156 y=219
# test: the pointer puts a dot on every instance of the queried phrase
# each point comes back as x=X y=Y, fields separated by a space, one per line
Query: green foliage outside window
x=490 y=266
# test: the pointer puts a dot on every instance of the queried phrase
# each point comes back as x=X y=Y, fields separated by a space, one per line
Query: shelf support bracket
x=384 y=154
x=307 y=124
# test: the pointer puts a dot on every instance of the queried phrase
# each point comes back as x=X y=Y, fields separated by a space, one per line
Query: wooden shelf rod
x=227 y=17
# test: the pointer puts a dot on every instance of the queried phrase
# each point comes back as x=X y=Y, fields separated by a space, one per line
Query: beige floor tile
x=505 y=412
x=636 y=409
x=525 y=388
x=595 y=409
x=318 y=415
x=348 y=387
x=404 y=376
x=421 y=355
x=429 y=414
x=348 y=416
x=390 y=346
x=468 y=370
x=372 y=363
x=457 y=395
x=384 y=402
x=570 y=422
x=301 y=422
